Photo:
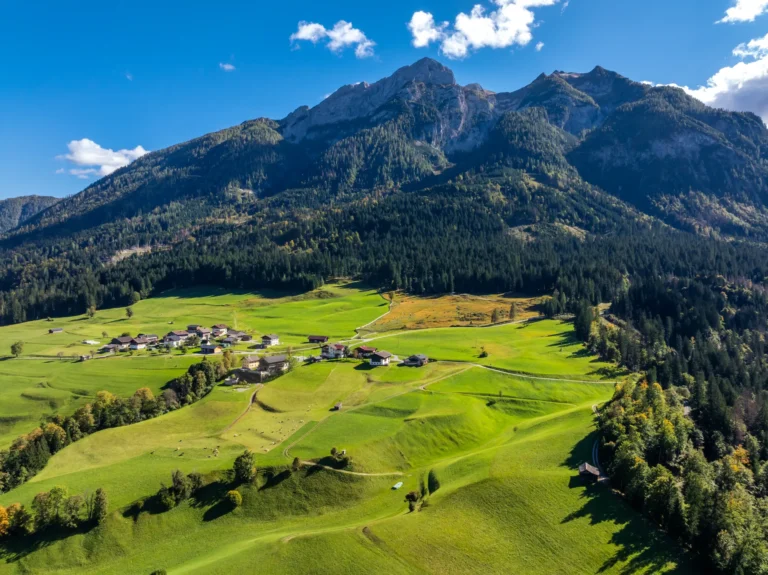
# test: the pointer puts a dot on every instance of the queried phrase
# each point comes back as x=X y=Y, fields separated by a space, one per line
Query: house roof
x=209 y=346
x=590 y=469
x=56 y=329
x=124 y=339
x=366 y=348
x=252 y=358
x=193 y=326
x=321 y=337
x=139 y=340
x=229 y=340
x=270 y=336
x=220 y=326
x=204 y=329
x=382 y=354
x=418 y=356
x=274 y=359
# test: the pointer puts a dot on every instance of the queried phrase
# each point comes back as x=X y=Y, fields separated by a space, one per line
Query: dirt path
x=346 y=472
x=539 y=377
x=247 y=409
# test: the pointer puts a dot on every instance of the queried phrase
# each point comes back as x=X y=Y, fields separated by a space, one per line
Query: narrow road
x=346 y=472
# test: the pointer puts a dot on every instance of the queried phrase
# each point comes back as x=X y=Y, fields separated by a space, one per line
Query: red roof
x=366 y=348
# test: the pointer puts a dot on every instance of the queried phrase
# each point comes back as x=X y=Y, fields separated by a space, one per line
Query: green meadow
x=496 y=452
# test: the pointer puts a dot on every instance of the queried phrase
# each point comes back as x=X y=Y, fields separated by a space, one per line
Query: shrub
x=234 y=498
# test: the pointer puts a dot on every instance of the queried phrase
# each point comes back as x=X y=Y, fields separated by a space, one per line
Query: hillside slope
x=16 y=211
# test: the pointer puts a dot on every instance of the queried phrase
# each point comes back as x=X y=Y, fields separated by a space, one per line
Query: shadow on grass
x=365 y=366
x=581 y=452
x=210 y=494
x=152 y=505
x=273 y=479
x=14 y=549
x=327 y=461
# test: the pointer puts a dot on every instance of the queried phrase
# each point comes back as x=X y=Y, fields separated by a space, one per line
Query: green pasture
x=32 y=388
x=547 y=347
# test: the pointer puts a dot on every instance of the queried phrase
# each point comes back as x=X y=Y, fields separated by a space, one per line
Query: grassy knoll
x=547 y=348
x=32 y=388
x=334 y=310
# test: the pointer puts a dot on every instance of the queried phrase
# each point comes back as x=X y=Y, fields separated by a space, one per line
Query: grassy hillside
x=501 y=450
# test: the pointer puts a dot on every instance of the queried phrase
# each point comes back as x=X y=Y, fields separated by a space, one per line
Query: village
x=254 y=368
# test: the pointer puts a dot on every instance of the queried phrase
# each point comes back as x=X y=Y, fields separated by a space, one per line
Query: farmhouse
x=138 y=343
x=417 y=360
x=191 y=328
x=229 y=341
x=122 y=342
x=318 y=339
x=380 y=358
x=364 y=351
x=589 y=472
x=274 y=364
x=203 y=332
x=270 y=340
x=176 y=338
x=251 y=362
x=246 y=337
x=85 y=357
x=109 y=348
x=151 y=338
x=56 y=330
x=210 y=349
x=219 y=330
x=335 y=351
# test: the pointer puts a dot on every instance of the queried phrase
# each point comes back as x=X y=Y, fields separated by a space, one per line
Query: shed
x=397 y=485
x=337 y=407
x=589 y=471
x=417 y=360
x=318 y=338
x=56 y=330
x=364 y=351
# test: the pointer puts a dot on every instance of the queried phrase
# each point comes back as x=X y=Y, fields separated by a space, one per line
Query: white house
x=335 y=351
x=380 y=358
x=270 y=340
x=176 y=338
x=219 y=330
x=138 y=343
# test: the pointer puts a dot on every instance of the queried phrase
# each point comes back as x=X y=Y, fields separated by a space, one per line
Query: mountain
x=16 y=211
x=422 y=161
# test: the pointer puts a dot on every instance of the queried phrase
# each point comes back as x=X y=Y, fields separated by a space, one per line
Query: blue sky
x=151 y=74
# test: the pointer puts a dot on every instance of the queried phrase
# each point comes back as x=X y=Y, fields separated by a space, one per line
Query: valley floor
x=495 y=442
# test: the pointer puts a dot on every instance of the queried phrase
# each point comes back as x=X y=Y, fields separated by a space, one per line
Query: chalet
x=229 y=341
x=318 y=339
x=380 y=358
x=176 y=338
x=364 y=351
x=219 y=330
x=274 y=364
x=417 y=360
x=238 y=335
x=251 y=362
x=138 y=343
x=335 y=351
x=337 y=407
x=270 y=340
x=151 y=338
x=589 y=472
x=56 y=330
x=193 y=327
x=122 y=342
x=203 y=332
x=210 y=349
x=109 y=348
x=246 y=337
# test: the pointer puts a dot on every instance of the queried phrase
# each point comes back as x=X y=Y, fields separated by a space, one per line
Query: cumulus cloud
x=510 y=23
x=227 y=67
x=539 y=46
x=742 y=87
x=757 y=48
x=95 y=160
x=745 y=11
x=341 y=36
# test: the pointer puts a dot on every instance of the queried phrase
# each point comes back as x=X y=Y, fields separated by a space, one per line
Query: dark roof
x=139 y=340
x=252 y=358
x=209 y=346
x=274 y=359
x=193 y=326
x=229 y=340
x=56 y=329
x=382 y=354
x=318 y=337
x=204 y=329
x=123 y=339
x=270 y=336
x=220 y=326
x=179 y=332
x=586 y=468
x=418 y=356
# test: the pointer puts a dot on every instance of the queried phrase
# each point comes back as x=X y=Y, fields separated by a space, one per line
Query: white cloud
x=539 y=46
x=742 y=87
x=97 y=160
x=129 y=76
x=511 y=23
x=341 y=36
x=424 y=30
x=227 y=67
x=745 y=11
x=757 y=48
